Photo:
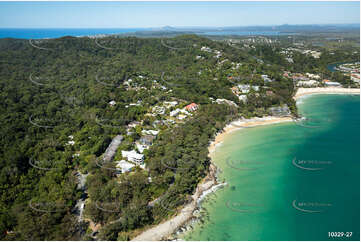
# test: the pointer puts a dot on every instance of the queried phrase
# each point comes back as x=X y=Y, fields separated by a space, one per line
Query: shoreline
x=245 y=123
x=325 y=90
x=166 y=229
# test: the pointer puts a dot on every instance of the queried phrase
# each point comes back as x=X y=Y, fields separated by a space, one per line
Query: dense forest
x=55 y=89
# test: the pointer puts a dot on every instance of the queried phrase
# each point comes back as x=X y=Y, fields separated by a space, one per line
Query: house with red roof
x=191 y=107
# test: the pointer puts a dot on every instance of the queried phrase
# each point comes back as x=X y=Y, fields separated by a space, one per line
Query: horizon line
x=167 y=26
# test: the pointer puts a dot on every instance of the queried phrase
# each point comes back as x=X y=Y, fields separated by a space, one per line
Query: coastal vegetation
x=63 y=100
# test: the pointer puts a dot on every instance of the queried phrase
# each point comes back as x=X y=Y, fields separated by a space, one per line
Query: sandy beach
x=325 y=90
x=164 y=230
x=245 y=123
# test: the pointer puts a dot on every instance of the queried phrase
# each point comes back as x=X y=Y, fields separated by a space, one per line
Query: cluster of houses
x=309 y=80
x=241 y=91
x=209 y=50
x=135 y=157
x=352 y=70
x=288 y=52
x=254 y=40
x=184 y=112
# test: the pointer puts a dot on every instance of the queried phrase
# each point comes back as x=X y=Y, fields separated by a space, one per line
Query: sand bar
x=326 y=90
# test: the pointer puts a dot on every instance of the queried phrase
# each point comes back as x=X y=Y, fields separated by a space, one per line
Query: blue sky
x=159 y=14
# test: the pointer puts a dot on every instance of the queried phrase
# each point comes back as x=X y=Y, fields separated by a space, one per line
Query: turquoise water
x=289 y=181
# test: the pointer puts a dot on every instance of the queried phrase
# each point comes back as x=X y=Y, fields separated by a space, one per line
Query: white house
x=152 y=132
x=309 y=83
x=124 y=166
x=182 y=116
x=244 y=88
x=158 y=110
x=112 y=103
x=242 y=98
x=141 y=147
x=314 y=76
x=133 y=156
x=170 y=104
x=71 y=142
x=174 y=112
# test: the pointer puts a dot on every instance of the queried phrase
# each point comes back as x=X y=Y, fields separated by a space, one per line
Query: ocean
x=290 y=181
x=45 y=33
x=57 y=33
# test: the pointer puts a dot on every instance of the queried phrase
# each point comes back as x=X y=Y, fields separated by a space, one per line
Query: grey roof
x=112 y=148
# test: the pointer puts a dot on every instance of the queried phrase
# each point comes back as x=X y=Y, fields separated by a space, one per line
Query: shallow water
x=290 y=181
